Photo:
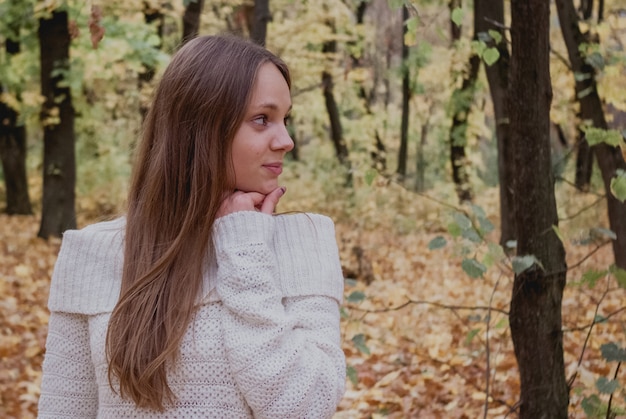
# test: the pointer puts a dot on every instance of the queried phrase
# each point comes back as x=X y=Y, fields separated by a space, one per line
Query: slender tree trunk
x=150 y=17
x=535 y=314
x=584 y=154
x=378 y=153
x=191 y=19
x=59 y=164
x=490 y=13
x=406 y=98
x=609 y=158
x=461 y=105
x=13 y=152
x=336 y=132
x=262 y=16
x=420 y=169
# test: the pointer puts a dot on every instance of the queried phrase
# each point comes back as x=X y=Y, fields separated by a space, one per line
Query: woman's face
x=262 y=140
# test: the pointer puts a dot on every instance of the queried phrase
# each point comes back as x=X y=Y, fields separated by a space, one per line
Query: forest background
x=397 y=141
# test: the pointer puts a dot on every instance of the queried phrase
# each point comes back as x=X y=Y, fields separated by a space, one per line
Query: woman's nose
x=283 y=140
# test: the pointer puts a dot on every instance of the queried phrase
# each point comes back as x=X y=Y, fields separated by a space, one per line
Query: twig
x=570 y=382
x=583 y=209
x=588 y=255
x=432 y=303
x=573 y=185
x=608 y=408
x=487 y=351
x=561 y=58
x=604 y=318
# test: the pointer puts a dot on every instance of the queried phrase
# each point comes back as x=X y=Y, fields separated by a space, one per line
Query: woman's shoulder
x=87 y=273
x=305 y=222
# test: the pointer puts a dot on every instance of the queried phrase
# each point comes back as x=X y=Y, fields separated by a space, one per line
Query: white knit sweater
x=265 y=342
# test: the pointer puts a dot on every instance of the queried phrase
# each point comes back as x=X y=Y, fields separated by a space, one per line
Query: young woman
x=200 y=302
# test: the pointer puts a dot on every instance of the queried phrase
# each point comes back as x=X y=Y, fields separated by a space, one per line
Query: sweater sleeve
x=68 y=387
x=285 y=357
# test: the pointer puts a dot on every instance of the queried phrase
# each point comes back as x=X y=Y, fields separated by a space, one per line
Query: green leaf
x=473 y=268
x=479 y=47
x=352 y=374
x=606 y=386
x=370 y=175
x=491 y=55
x=486 y=226
x=521 y=263
x=596 y=136
x=356 y=297
x=612 y=352
x=504 y=322
x=454 y=229
x=591 y=277
x=472 y=235
x=581 y=76
x=350 y=282
x=599 y=319
x=495 y=35
x=343 y=312
x=457 y=16
x=593 y=406
x=618 y=185
x=471 y=335
x=437 y=243
x=411 y=24
x=462 y=221
x=619 y=274
x=599 y=232
x=558 y=233
x=359 y=343
x=511 y=244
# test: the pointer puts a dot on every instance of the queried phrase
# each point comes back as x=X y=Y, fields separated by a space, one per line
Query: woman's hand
x=251 y=201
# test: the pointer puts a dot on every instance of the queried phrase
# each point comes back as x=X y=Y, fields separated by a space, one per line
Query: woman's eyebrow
x=271 y=105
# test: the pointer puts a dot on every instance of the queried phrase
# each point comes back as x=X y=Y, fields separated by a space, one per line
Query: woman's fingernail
x=282 y=188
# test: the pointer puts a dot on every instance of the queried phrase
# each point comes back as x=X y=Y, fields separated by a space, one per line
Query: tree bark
x=13 y=151
x=336 y=132
x=262 y=16
x=150 y=16
x=406 y=98
x=59 y=164
x=488 y=14
x=609 y=158
x=461 y=105
x=535 y=314
x=191 y=19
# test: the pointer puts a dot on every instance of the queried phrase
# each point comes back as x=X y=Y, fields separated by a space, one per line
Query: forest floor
x=419 y=337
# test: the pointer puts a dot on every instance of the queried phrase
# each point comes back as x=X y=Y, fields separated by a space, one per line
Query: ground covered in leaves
x=422 y=339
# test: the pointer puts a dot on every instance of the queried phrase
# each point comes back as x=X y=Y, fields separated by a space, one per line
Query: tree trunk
x=336 y=132
x=191 y=19
x=609 y=158
x=262 y=16
x=487 y=14
x=59 y=164
x=535 y=313
x=378 y=153
x=461 y=105
x=150 y=16
x=406 y=98
x=13 y=152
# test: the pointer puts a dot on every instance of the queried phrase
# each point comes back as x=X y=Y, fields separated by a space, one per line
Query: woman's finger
x=271 y=200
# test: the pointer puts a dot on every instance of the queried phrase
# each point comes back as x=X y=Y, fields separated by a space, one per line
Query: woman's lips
x=275 y=168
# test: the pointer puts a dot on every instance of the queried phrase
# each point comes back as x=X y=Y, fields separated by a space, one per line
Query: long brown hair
x=182 y=173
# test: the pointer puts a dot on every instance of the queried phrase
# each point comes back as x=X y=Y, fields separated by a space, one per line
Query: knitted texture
x=264 y=343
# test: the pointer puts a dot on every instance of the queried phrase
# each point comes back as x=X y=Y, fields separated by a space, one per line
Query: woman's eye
x=260 y=120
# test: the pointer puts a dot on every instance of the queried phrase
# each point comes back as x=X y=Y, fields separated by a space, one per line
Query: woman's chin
x=262 y=189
